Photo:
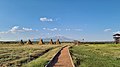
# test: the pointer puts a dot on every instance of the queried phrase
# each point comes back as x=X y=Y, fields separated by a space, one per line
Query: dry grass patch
x=16 y=55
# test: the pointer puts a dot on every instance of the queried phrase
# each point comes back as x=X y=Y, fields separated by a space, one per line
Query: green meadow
x=96 y=55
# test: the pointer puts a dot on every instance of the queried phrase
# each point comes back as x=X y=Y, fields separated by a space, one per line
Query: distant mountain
x=61 y=38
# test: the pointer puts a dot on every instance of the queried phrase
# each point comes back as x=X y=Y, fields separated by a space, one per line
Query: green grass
x=43 y=60
x=105 y=55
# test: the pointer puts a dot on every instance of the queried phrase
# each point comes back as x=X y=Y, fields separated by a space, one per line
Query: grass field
x=104 y=55
x=17 y=55
x=42 y=60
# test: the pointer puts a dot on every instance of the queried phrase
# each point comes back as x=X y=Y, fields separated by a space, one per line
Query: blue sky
x=93 y=20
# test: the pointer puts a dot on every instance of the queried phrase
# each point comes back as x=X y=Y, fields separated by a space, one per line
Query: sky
x=91 y=20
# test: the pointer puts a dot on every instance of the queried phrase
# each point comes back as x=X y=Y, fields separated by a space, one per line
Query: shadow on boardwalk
x=54 y=60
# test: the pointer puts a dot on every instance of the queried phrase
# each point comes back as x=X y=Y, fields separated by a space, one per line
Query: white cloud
x=73 y=29
x=3 y=32
x=106 y=30
x=14 y=29
x=67 y=29
x=44 y=19
x=78 y=29
x=44 y=28
x=52 y=29
x=17 y=29
x=57 y=29
x=27 y=29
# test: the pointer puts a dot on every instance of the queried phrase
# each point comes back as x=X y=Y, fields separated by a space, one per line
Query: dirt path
x=64 y=59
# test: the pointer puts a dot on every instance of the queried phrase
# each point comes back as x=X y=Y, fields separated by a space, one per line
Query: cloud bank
x=16 y=29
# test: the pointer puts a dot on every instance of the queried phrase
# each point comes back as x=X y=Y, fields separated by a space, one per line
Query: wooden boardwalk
x=64 y=59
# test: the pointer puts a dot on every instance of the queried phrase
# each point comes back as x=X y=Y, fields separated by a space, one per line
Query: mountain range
x=61 y=38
